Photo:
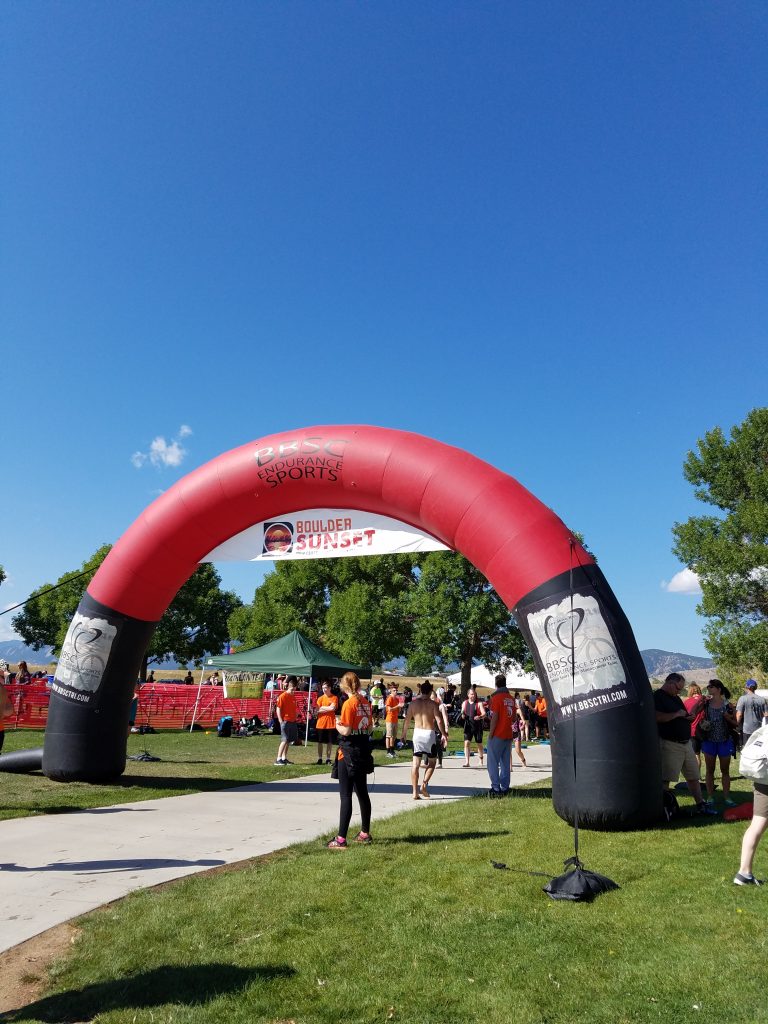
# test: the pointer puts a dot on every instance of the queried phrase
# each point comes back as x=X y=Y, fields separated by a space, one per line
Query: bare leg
x=749 y=843
x=431 y=763
x=694 y=787
x=466 y=753
x=725 y=772
x=519 y=752
x=709 y=761
x=415 y=764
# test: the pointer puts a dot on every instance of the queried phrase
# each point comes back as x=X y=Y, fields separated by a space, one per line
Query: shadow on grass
x=543 y=793
x=169 y=760
x=418 y=839
x=187 y=986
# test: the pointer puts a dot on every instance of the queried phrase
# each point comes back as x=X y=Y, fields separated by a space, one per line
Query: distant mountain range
x=661 y=663
x=657 y=663
x=14 y=651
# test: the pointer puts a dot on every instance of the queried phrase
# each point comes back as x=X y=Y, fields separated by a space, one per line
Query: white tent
x=516 y=679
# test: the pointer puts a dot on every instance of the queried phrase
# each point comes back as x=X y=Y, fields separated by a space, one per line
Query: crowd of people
x=346 y=714
x=21 y=677
x=709 y=725
x=705 y=726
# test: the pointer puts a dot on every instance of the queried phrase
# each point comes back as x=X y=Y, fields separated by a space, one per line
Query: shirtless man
x=427 y=720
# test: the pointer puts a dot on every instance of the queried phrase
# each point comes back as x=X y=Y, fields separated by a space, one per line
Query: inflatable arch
x=557 y=593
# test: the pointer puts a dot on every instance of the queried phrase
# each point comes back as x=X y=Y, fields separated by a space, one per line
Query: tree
x=729 y=550
x=194 y=625
x=458 y=617
x=196 y=621
x=45 y=618
x=353 y=606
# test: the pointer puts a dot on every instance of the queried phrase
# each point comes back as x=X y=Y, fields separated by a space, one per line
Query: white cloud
x=684 y=582
x=162 y=452
x=7 y=632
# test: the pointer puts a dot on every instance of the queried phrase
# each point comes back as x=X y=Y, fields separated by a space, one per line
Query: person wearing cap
x=674 y=726
x=751 y=711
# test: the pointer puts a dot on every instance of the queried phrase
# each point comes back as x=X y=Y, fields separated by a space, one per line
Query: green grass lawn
x=419 y=928
x=190 y=763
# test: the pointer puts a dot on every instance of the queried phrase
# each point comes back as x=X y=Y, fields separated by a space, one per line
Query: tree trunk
x=466 y=676
x=144 y=664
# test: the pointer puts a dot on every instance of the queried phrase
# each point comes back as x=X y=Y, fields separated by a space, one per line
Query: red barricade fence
x=162 y=706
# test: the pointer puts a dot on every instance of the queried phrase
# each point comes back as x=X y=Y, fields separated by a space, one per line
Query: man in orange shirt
x=503 y=714
x=392 y=714
x=327 y=707
x=542 y=723
x=287 y=715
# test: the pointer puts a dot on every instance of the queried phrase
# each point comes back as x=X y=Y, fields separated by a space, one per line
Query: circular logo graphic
x=278 y=537
x=558 y=630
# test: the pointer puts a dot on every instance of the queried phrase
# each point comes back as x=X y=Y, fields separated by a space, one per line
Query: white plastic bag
x=753 y=763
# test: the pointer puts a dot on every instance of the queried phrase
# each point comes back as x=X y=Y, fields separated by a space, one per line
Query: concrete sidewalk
x=56 y=867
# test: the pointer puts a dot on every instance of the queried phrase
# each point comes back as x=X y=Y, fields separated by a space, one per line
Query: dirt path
x=24 y=969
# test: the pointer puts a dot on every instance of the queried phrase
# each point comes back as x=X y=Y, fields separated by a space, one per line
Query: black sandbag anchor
x=577 y=884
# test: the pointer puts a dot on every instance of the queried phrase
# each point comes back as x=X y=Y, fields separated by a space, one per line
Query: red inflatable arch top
x=586 y=657
x=468 y=505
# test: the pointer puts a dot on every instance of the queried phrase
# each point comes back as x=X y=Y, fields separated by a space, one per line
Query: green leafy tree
x=196 y=621
x=729 y=549
x=352 y=606
x=194 y=624
x=458 y=617
x=45 y=618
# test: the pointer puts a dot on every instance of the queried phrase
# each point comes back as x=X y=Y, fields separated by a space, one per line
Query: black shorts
x=474 y=730
x=326 y=735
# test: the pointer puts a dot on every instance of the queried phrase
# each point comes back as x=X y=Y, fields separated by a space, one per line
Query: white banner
x=323 y=533
x=84 y=654
x=575 y=626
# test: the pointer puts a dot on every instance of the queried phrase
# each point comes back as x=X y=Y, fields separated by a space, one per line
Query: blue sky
x=533 y=230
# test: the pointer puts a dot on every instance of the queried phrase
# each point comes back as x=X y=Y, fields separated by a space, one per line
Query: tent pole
x=309 y=702
x=197 y=699
x=271 y=697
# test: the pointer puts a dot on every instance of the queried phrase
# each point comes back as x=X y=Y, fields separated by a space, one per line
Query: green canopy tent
x=294 y=655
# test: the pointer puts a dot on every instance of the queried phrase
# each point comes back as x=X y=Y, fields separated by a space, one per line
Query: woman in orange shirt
x=354 y=761
x=327 y=706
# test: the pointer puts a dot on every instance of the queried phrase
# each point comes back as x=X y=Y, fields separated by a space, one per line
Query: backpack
x=670 y=806
x=753 y=763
